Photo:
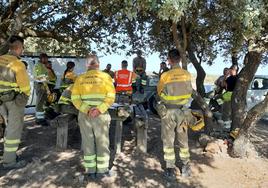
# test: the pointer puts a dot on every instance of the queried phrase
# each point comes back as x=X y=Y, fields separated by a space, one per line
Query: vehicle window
x=260 y=83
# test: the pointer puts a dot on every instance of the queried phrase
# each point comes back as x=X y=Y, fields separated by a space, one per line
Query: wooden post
x=141 y=123
x=141 y=138
x=118 y=135
x=62 y=122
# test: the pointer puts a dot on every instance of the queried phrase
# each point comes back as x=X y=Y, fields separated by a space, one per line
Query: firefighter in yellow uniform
x=174 y=90
x=52 y=77
x=40 y=84
x=92 y=94
x=68 y=76
x=65 y=104
x=14 y=94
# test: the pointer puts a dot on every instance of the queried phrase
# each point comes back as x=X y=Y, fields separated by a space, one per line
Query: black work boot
x=108 y=174
x=42 y=122
x=91 y=175
x=15 y=165
x=170 y=173
x=186 y=170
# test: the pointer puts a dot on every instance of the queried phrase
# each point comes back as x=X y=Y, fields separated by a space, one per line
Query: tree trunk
x=3 y=46
x=242 y=146
x=3 y=49
x=251 y=63
x=234 y=58
x=201 y=74
x=178 y=46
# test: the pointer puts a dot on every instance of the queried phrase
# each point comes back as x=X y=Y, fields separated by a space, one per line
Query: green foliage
x=173 y=9
x=213 y=26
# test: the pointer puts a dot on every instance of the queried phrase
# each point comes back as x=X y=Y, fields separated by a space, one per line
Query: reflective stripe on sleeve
x=172 y=98
x=11 y=84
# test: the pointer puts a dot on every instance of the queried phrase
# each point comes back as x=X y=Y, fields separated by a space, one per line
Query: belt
x=173 y=106
x=7 y=92
x=124 y=94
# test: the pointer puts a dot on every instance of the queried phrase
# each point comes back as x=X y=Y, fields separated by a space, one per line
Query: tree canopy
x=214 y=26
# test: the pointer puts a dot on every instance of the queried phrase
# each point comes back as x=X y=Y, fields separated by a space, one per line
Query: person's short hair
x=225 y=69
x=174 y=55
x=124 y=62
x=14 y=41
x=92 y=59
x=70 y=64
x=43 y=55
x=109 y=64
x=15 y=38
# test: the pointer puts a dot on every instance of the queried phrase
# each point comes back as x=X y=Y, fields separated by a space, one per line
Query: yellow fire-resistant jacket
x=65 y=97
x=40 y=72
x=68 y=79
x=13 y=75
x=52 y=78
x=175 y=86
x=93 y=89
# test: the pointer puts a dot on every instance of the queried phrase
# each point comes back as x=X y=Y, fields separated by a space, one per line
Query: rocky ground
x=212 y=167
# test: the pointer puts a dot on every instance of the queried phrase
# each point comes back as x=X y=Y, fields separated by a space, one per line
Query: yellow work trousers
x=95 y=142
x=174 y=125
x=13 y=115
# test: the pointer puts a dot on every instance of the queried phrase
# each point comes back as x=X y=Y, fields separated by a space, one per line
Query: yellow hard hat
x=199 y=123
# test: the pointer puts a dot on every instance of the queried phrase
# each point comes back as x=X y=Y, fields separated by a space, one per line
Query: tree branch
x=184 y=34
x=10 y=10
x=178 y=45
x=254 y=114
x=27 y=32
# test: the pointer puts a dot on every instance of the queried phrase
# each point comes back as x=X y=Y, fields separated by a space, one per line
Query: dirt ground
x=49 y=167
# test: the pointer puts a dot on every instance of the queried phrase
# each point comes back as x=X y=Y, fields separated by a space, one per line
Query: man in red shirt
x=123 y=80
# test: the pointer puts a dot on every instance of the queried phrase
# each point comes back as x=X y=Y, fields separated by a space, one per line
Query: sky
x=153 y=62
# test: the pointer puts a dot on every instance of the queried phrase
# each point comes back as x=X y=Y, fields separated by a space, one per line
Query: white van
x=257 y=91
x=58 y=64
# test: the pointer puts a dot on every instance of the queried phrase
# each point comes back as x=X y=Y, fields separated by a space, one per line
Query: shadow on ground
x=51 y=167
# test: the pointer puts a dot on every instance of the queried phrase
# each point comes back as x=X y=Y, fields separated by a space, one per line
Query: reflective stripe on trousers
x=184 y=154
x=95 y=142
x=102 y=163
x=40 y=115
x=13 y=115
x=169 y=154
x=90 y=163
x=11 y=145
x=171 y=128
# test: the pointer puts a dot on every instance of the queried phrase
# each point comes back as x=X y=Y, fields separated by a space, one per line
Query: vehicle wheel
x=152 y=105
